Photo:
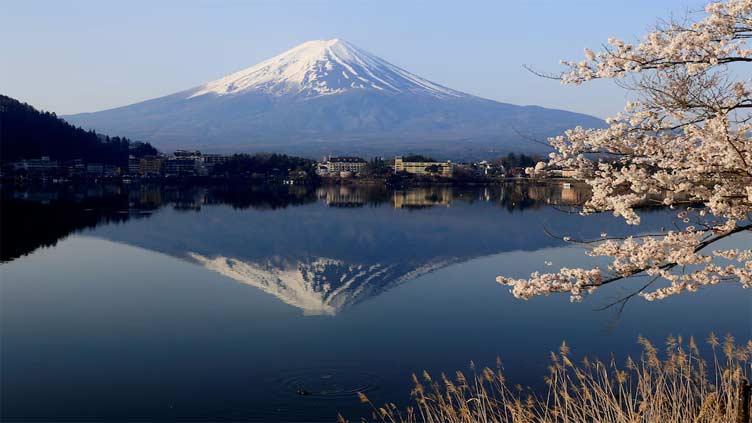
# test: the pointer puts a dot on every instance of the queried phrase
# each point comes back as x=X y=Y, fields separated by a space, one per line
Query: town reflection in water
x=511 y=196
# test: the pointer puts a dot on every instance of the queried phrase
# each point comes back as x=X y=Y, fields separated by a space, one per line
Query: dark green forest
x=269 y=165
x=512 y=160
x=28 y=133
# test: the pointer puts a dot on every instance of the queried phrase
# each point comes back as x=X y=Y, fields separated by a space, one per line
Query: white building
x=41 y=165
x=336 y=166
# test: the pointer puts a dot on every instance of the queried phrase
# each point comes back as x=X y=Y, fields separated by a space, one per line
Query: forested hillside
x=27 y=133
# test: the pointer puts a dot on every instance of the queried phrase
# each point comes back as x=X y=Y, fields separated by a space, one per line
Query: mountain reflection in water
x=315 y=254
x=124 y=303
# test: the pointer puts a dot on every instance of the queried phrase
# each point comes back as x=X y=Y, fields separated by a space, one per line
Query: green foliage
x=266 y=165
x=142 y=149
x=27 y=133
x=377 y=167
x=513 y=160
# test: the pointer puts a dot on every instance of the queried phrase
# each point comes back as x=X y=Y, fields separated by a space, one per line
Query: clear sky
x=82 y=56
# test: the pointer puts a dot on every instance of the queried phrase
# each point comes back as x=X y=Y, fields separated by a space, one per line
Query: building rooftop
x=346 y=159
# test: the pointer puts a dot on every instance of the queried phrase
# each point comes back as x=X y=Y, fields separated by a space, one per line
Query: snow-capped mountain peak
x=330 y=97
x=323 y=67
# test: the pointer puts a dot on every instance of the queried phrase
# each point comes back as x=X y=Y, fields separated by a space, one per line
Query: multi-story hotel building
x=337 y=165
x=422 y=168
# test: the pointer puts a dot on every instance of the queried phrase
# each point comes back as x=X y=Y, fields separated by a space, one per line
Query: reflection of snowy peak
x=320 y=286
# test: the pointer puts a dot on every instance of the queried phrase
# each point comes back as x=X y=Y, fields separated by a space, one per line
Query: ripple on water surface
x=297 y=393
x=324 y=383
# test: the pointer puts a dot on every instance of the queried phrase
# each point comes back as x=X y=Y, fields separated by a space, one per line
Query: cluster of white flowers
x=632 y=254
x=716 y=39
x=686 y=143
x=710 y=274
x=574 y=281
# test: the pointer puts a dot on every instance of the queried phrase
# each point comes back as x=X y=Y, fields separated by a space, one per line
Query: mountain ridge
x=329 y=96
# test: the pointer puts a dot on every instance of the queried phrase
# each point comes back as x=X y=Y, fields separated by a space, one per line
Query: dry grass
x=676 y=386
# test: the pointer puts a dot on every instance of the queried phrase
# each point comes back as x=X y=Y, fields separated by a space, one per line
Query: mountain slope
x=332 y=97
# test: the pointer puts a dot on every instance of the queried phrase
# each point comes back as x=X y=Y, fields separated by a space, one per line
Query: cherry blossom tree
x=684 y=144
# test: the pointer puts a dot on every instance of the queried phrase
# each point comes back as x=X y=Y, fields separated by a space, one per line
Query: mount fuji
x=332 y=97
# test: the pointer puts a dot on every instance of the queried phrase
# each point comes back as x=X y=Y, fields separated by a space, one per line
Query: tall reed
x=675 y=386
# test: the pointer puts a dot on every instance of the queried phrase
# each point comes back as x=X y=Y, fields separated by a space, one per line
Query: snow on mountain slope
x=323 y=67
x=330 y=97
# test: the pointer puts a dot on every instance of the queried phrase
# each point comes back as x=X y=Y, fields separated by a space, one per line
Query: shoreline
x=203 y=181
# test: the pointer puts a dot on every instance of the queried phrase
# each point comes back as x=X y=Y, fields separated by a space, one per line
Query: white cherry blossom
x=685 y=143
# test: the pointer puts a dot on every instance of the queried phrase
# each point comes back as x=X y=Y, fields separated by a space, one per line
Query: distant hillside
x=27 y=133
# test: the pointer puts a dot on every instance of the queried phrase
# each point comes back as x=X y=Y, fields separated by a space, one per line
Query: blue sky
x=80 y=56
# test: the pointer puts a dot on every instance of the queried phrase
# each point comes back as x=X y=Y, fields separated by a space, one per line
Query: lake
x=184 y=303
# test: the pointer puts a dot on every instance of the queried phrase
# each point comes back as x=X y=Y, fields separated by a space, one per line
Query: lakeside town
x=47 y=149
x=195 y=165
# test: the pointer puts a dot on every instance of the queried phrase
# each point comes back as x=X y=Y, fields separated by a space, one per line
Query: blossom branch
x=685 y=142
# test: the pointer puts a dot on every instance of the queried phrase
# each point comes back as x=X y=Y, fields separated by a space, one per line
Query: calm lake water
x=154 y=303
